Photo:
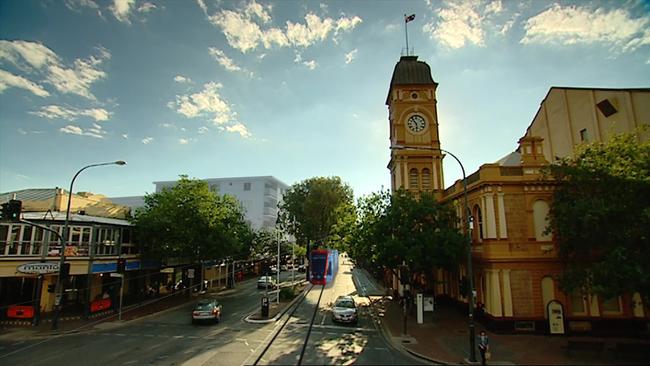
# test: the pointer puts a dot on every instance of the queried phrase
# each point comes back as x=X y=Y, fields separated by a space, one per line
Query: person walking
x=483 y=347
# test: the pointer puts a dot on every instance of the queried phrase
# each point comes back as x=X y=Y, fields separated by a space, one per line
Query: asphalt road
x=169 y=338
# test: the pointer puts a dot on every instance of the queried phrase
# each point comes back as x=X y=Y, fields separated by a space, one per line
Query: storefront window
x=4 y=230
x=75 y=235
x=26 y=241
x=13 y=239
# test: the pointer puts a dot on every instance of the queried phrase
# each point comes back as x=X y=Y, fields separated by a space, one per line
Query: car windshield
x=206 y=305
x=345 y=304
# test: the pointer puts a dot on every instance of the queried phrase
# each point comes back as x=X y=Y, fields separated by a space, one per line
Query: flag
x=409 y=18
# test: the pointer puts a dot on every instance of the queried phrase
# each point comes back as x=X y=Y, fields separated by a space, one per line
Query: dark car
x=206 y=310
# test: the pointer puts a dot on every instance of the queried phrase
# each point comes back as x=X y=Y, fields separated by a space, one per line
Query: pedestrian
x=483 y=347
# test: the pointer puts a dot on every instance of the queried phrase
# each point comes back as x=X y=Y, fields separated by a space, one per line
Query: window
x=413 y=179
x=478 y=222
x=247 y=186
x=612 y=306
x=4 y=230
x=548 y=292
x=426 y=179
x=540 y=219
x=577 y=301
x=584 y=136
x=26 y=241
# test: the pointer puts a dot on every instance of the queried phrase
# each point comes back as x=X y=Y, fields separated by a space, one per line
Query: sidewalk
x=44 y=329
x=443 y=338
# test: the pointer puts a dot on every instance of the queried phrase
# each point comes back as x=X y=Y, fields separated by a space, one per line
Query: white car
x=266 y=282
x=345 y=310
x=205 y=310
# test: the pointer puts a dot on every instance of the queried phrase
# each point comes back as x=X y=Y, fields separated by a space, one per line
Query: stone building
x=515 y=260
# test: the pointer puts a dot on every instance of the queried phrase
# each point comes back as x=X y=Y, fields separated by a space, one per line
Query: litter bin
x=265 y=307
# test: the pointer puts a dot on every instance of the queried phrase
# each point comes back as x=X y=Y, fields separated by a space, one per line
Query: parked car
x=284 y=268
x=206 y=310
x=267 y=282
x=301 y=268
x=345 y=310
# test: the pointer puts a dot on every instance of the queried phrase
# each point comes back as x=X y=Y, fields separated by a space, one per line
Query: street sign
x=190 y=273
x=113 y=274
x=39 y=267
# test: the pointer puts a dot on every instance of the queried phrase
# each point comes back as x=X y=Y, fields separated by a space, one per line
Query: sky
x=292 y=89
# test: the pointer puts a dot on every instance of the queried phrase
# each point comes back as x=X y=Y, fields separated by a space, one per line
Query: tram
x=323 y=265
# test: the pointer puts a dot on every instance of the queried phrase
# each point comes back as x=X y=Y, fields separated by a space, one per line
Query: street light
x=470 y=290
x=66 y=235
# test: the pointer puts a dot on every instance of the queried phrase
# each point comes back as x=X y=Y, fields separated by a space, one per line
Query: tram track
x=283 y=326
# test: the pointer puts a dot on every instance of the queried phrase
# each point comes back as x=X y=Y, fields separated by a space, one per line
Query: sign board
x=428 y=303
x=39 y=267
x=555 y=317
x=418 y=301
x=190 y=273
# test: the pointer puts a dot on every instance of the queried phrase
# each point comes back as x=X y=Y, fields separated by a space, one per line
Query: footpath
x=107 y=319
x=443 y=338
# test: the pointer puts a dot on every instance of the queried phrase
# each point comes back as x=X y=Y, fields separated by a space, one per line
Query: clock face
x=416 y=123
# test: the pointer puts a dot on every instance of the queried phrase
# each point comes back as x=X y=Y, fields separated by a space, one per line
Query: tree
x=401 y=228
x=314 y=209
x=601 y=217
x=191 y=222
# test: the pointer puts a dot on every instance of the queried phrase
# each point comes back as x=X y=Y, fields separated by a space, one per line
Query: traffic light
x=121 y=265
x=51 y=288
x=11 y=210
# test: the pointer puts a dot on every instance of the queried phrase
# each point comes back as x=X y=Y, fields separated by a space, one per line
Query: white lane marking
x=381 y=348
x=130 y=362
x=323 y=320
x=149 y=335
x=179 y=337
x=120 y=334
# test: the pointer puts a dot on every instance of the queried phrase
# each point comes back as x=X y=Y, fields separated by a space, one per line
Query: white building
x=259 y=196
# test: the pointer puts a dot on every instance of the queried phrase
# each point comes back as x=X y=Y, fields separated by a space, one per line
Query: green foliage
x=190 y=221
x=601 y=217
x=287 y=293
x=398 y=228
x=318 y=210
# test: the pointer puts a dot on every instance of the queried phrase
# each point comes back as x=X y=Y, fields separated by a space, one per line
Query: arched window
x=478 y=223
x=540 y=218
x=548 y=292
x=414 y=179
x=426 y=179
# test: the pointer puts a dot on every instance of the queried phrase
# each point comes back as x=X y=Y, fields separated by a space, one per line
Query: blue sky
x=293 y=89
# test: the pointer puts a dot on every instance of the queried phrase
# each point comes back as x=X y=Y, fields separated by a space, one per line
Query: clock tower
x=415 y=157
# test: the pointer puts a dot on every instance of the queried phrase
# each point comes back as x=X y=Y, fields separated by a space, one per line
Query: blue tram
x=323 y=265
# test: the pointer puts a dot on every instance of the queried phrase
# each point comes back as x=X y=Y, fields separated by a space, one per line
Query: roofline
x=232 y=178
x=578 y=88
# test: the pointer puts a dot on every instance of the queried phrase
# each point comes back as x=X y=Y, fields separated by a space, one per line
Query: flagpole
x=406 y=31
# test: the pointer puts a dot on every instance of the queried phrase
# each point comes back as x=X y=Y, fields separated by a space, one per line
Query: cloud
x=121 y=10
x=583 y=25
x=203 y=130
x=125 y=136
x=95 y=132
x=349 y=57
x=147 y=140
x=311 y=64
x=240 y=129
x=147 y=7
x=459 y=23
x=209 y=104
x=71 y=114
x=8 y=80
x=35 y=58
x=243 y=32
x=203 y=7
x=77 y=5
x=223 y=60
x=182 y=79
x=183 y=141
x=23 y=132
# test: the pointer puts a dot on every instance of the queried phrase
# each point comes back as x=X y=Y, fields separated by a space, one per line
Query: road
x=169 y=338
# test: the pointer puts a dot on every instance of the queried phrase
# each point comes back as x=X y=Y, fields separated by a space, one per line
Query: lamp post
x=66 y=235
x=470 y=276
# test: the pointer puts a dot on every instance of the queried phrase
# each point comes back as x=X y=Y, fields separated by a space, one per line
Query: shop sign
x=39 y=267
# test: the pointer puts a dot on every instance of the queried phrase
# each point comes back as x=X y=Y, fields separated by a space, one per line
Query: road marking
x=149 y=335
x=179 y=337
x=130 y=362
x=120 y=334
x=193 y=337
x=323 y=320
